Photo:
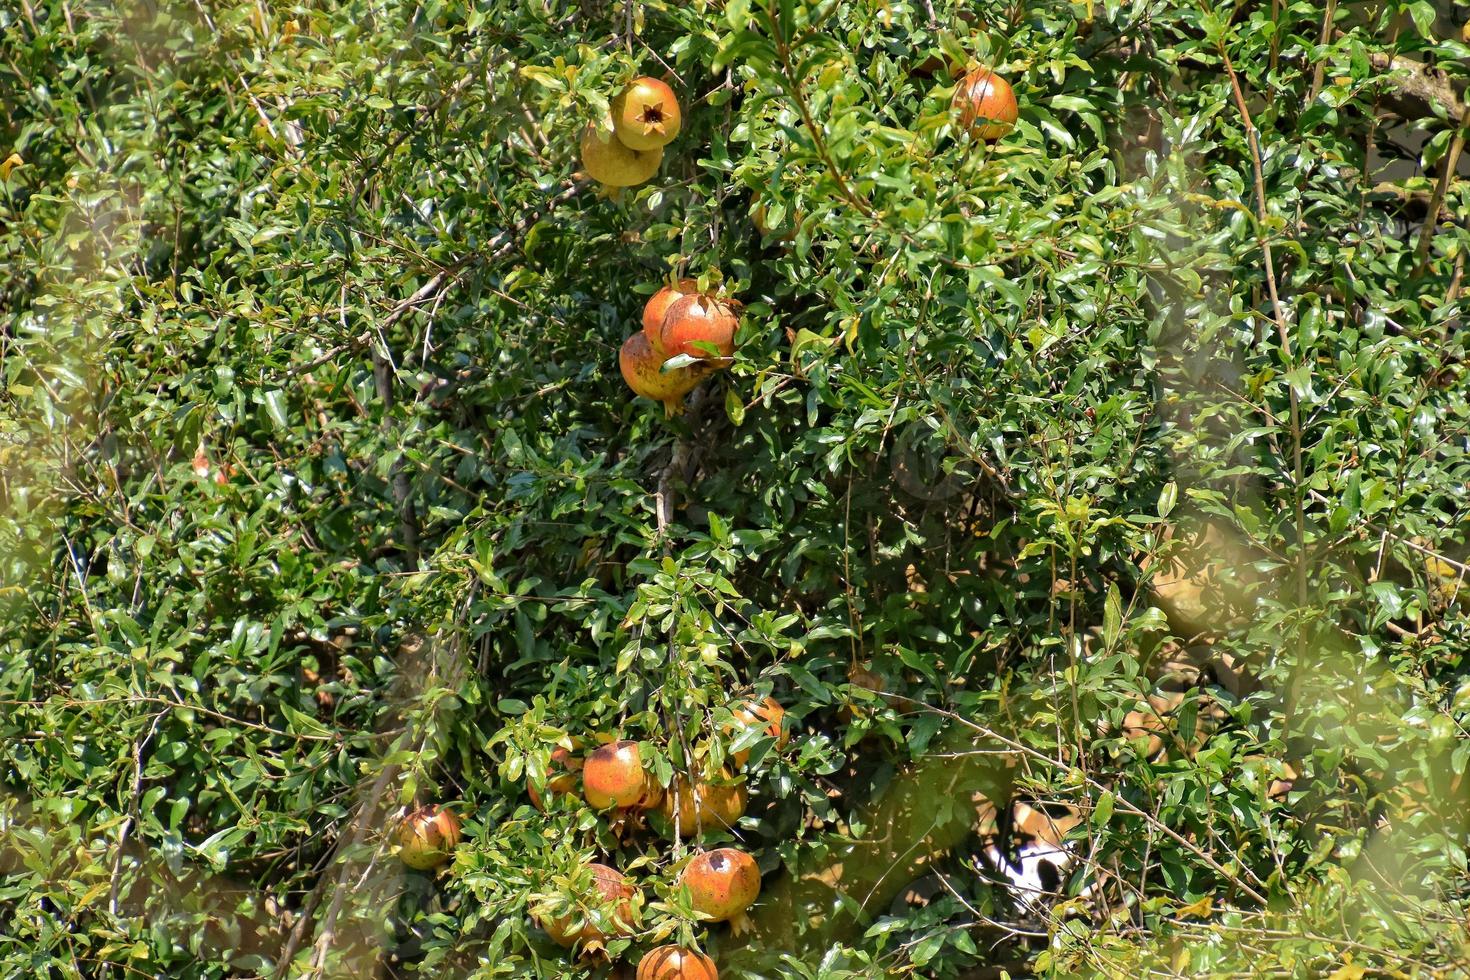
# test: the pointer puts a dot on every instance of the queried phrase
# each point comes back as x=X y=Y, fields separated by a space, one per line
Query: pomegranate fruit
x=642 y=368
x=693 y=321
x=986 y=104
x=609 y=162
x=860 y=676
x=646 y=115
x=658 y=304
x=427 y=837
x=768 y=714
x=676 y=963
x=613 y=776
x=703 y=807
x=784 y=232
x=607 y=910
x=722 y=884
x=561 y=777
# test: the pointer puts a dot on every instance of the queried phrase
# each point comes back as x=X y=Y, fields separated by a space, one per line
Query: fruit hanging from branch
x=608 y=161
x=986 y=104
x=658 y=305
x=642 y=368
x=676 y=963
x=427 y=837
x=613 y=776
x=701 y=806
x=646 y=115
x=700 y=326
x=561 y=777
x=757 y=714
x=783 y=231
x=722 y=884
x=605 y=911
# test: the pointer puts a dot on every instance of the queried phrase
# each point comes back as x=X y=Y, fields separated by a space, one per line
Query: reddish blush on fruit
x=642 y=369
x=646 y=115
x=561 y=777
x=700 y=326
x=427 y=837
x=676 y=963
x=606 y=911
x=767 y=713
x=658 y=304
x=986 y=104
x=613 y=776
x=722 y=883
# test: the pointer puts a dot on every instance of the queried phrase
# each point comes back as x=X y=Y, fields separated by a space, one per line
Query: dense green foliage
x=321 y=494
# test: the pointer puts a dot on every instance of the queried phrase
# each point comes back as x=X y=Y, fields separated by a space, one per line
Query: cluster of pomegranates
x=679 y=319
x=645 y=119
x=719 y=884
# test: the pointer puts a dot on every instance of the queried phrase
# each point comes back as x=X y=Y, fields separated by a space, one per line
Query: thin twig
x=502 y=243
x=1262 y=213
x=1319 y=68
x=1447 y=169
x=178 y=705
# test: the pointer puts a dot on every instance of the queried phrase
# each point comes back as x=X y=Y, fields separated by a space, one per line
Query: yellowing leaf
x=1348 y=971
x=9 y=164
x=1200 y=909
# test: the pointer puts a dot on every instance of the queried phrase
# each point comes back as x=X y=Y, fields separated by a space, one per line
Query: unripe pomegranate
x=606 y=911
x=646 y=115
x=704 y=807
x=986 y=104
x=608 y=161
x=561 y=776
x=658 y=304
x=860 y=676
x=676 y=963
x=722 y=884
x=427 y=837
x=694 y=320
x=767 y=713
x=642 y=370
x=788 y=227
x=613 y=776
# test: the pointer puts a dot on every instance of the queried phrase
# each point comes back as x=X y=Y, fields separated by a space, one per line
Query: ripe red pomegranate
x=722 y=884
x=646 y=115
x=427 y=837
x=613 y=776
x=705 y=806
x=606 y=910
x=658 y=304
x=642 y=368
x=986 y=104
x=767 y=713
x=561 y=776
x=695 y=320
x=607 y=160
x=676 y=963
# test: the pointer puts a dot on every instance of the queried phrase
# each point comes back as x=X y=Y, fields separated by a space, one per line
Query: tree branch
x=1447 y=168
